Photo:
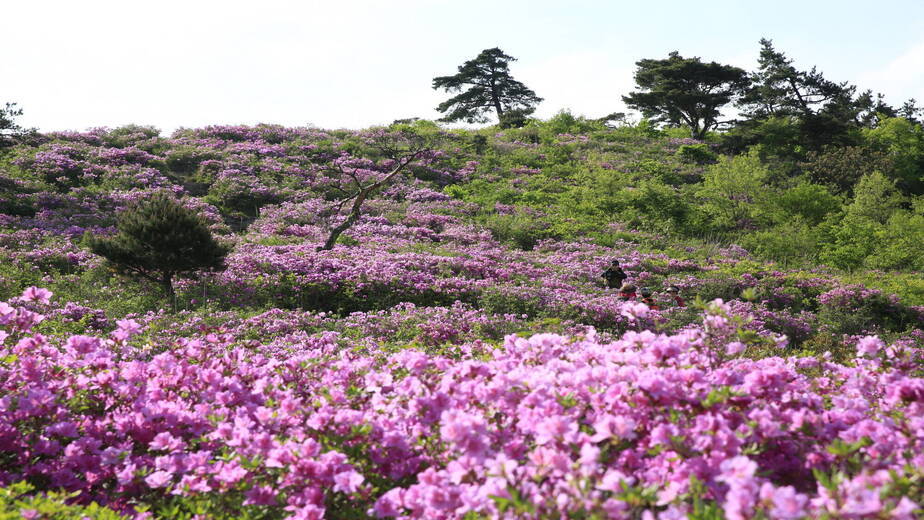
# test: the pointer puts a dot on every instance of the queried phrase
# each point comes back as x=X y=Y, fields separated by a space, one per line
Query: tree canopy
x=685 y=91
x=779 y=89
x=822 y=112
x=9 y=129
x=485 y=85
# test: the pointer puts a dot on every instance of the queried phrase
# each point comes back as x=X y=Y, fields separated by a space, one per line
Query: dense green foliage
x=488 y=86
x=685 y=91
x=798 y=214
x=159 y=239
x=20 y=501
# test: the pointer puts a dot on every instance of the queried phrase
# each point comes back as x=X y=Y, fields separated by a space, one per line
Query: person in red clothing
x=627 y=292
x=674 y=293
x=648 y=300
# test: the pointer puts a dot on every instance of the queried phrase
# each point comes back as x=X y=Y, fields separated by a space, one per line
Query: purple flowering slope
x=447 y=358
x=662 y=426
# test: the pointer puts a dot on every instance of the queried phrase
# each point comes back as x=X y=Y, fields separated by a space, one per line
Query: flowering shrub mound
x=647 y=426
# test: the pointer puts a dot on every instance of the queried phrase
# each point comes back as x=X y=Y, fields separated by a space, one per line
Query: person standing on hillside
x=614 y=276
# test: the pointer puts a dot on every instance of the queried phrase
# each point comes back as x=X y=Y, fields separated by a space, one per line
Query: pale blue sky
x=355 y=63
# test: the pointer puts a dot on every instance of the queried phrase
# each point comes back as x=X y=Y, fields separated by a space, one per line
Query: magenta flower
x=737 y=469
x=869 y=346
x=785 y=503
x=158 y=479
x=735 y=347
x=634 y=310
x=36 y=294
x=347 y=481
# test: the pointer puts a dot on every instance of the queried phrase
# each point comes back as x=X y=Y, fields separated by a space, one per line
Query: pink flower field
x=451 y=357
x=657 y=425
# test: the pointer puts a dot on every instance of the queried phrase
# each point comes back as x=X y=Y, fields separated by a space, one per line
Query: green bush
x=185 y=160
x=564 y=122
x=521 y=230
x=811 y=202
x=242 y=195
x=144 y=137
x=20 y=500
x=697 y=154
x=846 y=243
x=651 y=205
x=726 y=288
x=900 y=243
x=791 y=243
x=735 y=193
x=841 y=167
x=903 y=143
x=909 y=287
x=651 y=168
x=857 y=310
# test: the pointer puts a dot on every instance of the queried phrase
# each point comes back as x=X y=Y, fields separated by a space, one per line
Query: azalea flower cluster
x=644 y=426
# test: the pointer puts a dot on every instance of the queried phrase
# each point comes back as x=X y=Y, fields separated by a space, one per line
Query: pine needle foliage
x=159 y=239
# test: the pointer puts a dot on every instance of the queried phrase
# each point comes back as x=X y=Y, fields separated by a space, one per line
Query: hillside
x=456 y=354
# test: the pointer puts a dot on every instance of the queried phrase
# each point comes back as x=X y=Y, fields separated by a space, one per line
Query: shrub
x=696 y=153
x=185 y=160
x=901 y=243
x=841 y=167
x=510 y=300
x=848 y=242
x=903 y=142
x=20 y=501
x=564 y=122
x=522 y=230
x=654 y=206
x=854 y=309
x=723 y=287
x=734 y=191
x=812 y=202
x=159 y=239
x=143 y=137
x=791 y=243
x=236 y=191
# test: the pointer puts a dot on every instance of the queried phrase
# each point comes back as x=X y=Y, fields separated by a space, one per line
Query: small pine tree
x=159 y=239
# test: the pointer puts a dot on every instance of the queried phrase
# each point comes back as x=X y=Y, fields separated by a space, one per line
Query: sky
x=74 y=65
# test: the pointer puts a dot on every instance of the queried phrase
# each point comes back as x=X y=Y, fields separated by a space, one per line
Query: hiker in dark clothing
x=614 y=276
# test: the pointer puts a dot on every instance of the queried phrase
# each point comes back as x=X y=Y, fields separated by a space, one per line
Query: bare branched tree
x=358 y=179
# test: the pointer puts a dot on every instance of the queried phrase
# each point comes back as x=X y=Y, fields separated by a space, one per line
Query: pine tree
x=159 y=239
x=685 y=91
x=10 y=131
x=778 y=88
x=488 y=86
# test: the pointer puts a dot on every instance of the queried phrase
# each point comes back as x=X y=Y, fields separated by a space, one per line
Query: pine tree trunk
x=167 y=283
x=495 y=99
